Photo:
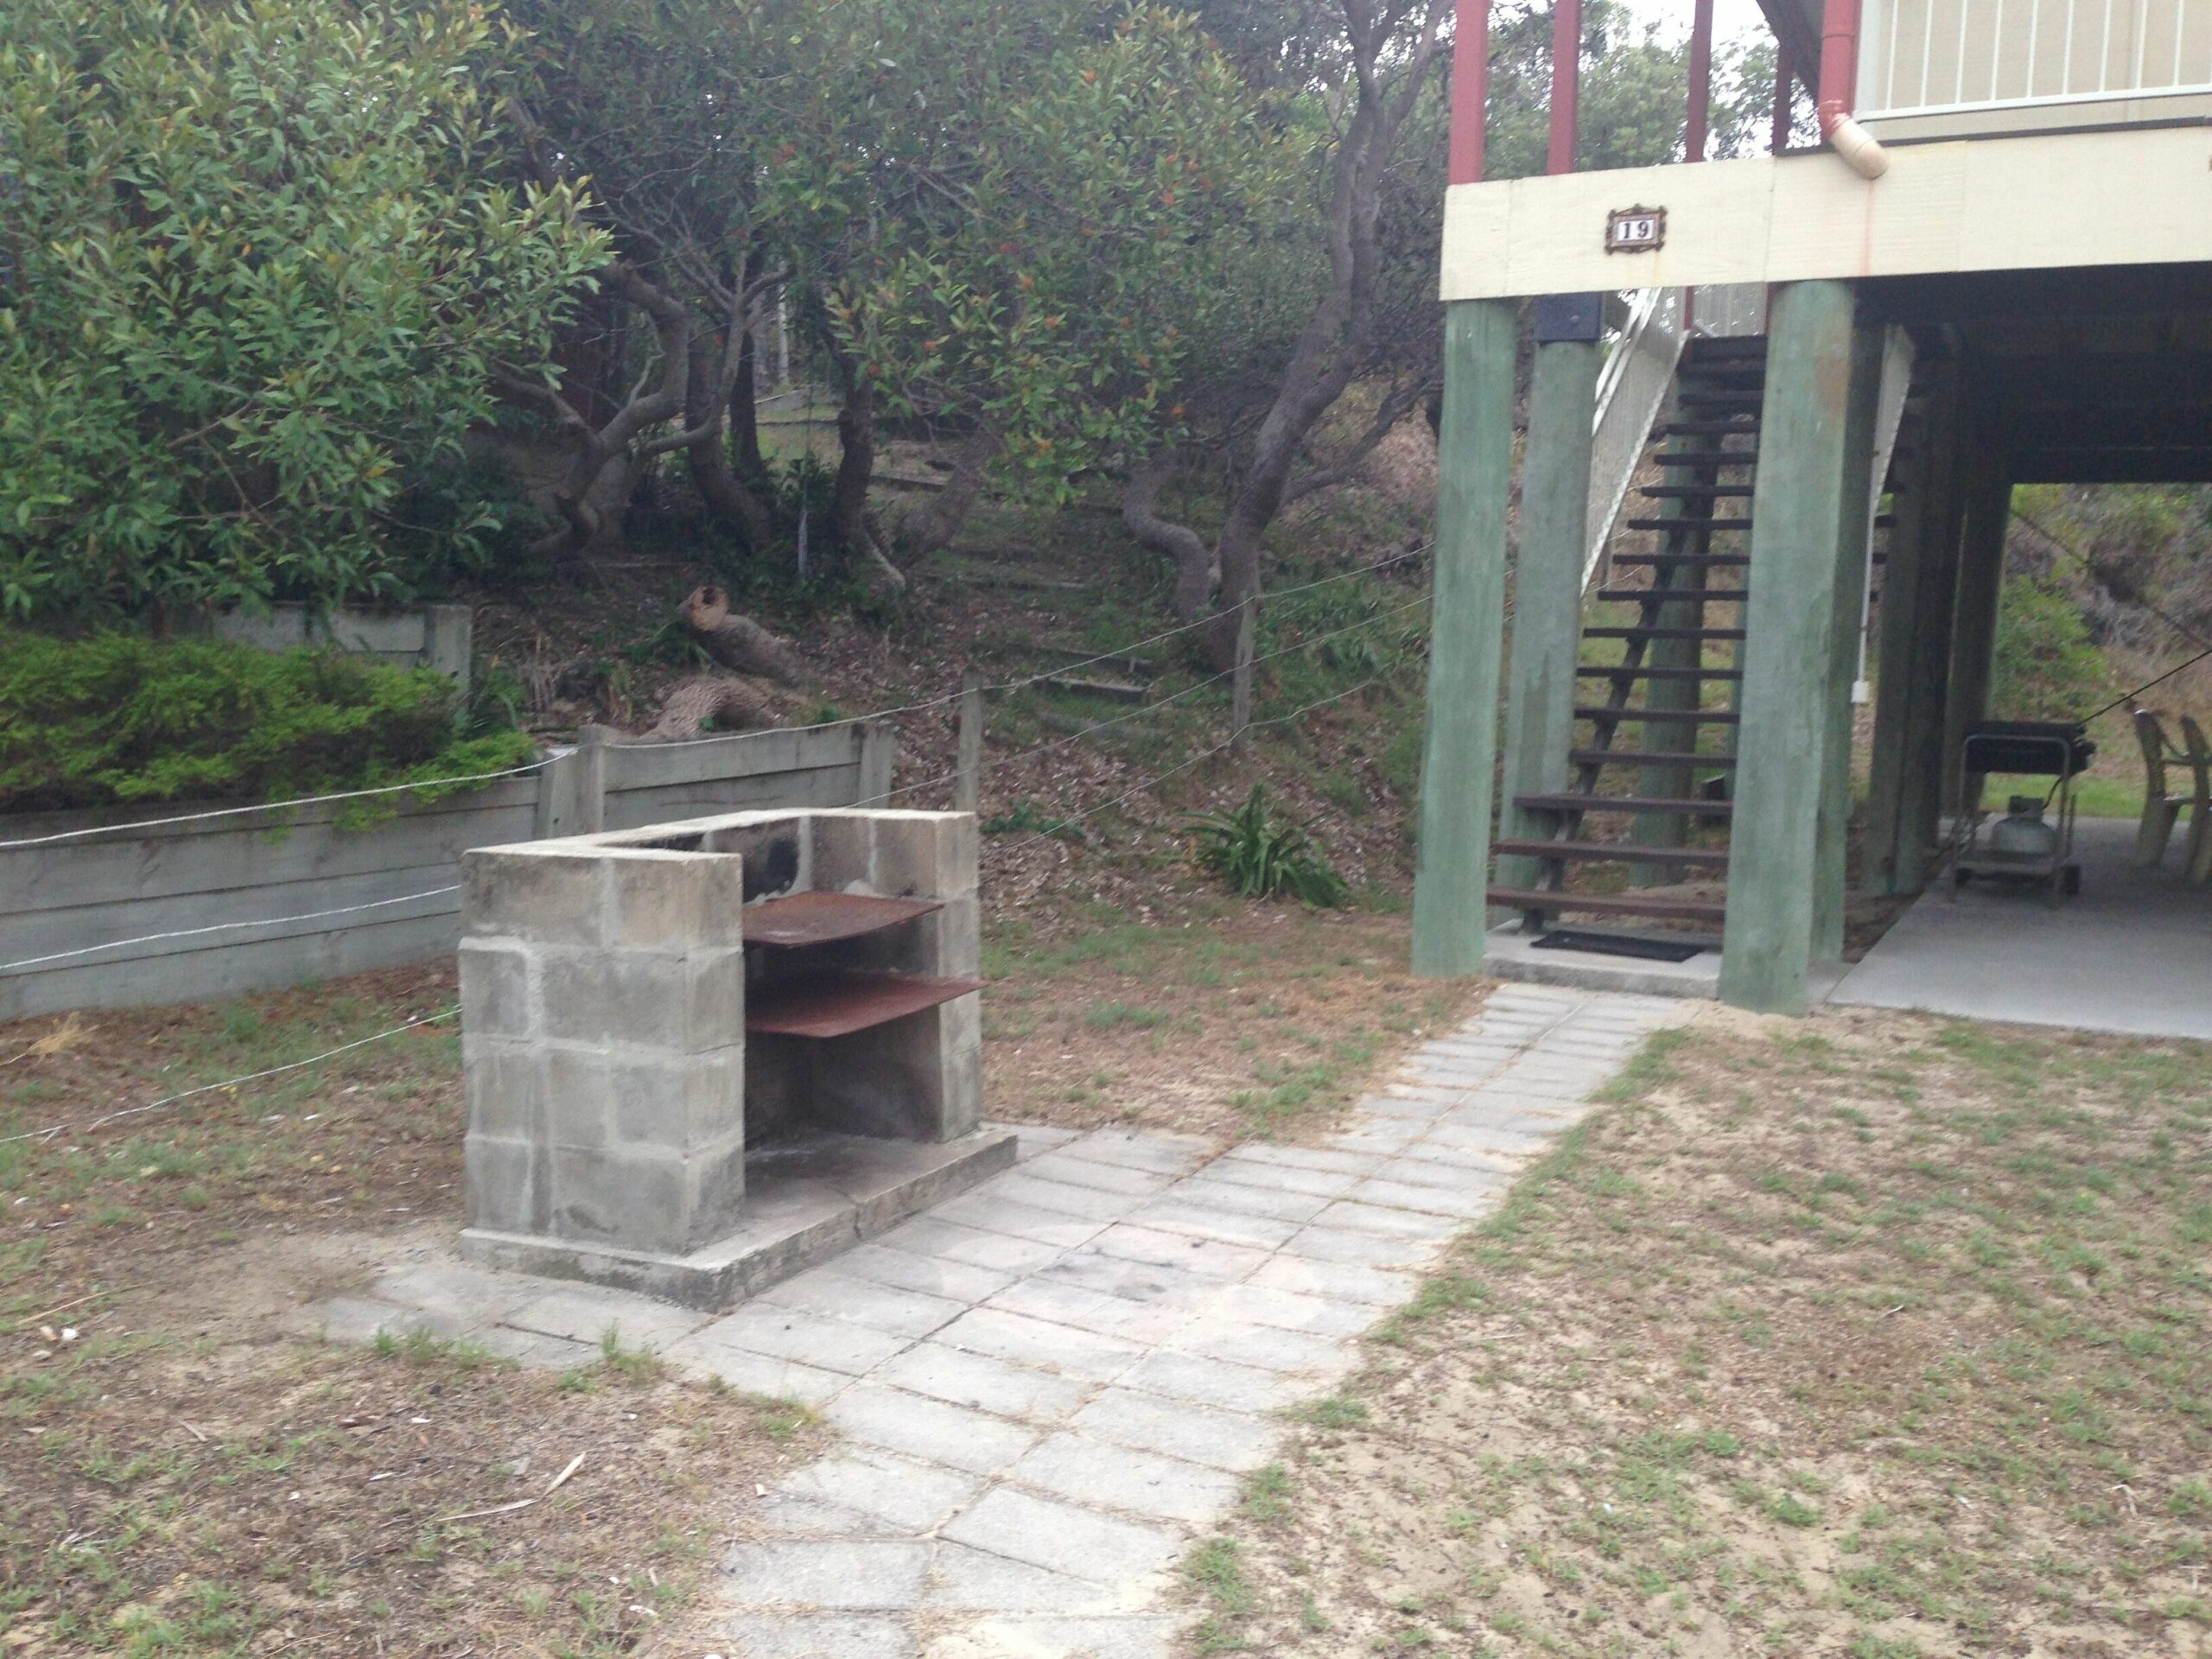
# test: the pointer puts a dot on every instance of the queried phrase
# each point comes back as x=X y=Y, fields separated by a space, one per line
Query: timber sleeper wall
x=215 y=889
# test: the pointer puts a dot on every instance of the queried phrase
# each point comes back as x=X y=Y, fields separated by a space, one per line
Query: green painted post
x=1974 y=641
x=1466 y=636
x=1892 y=684
x=1924 y=760
x=1548 y=588
x=1854 y=531
x=1794 y=629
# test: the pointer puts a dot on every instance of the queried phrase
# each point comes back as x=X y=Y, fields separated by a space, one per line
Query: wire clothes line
x=1026 y=680
x=222 y=927
x=269 y=806
x=54 y=1130
x=137 y=824
x=1204 y=754
x=1150 y=708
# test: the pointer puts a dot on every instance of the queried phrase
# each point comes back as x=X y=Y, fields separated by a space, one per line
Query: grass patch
x=1875 y=1334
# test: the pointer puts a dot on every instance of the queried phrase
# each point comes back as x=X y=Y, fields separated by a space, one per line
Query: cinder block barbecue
x=703 y=1055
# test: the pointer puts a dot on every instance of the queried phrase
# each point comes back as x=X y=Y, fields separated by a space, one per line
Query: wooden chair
x=2197 y=852
x=2159 y=808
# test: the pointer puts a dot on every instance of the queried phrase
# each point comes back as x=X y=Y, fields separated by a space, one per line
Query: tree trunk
x=738 y=642
x=930 y=527
x=855 y=467
x=1196 y=568
x=745 y=412
x=727 y=495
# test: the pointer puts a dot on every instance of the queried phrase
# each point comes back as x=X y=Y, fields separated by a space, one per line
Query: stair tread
x=1705 y=429
x=1663 y=633
x=1623 y=852
x=1692 y=526
x=1696 y=491
x=1707 y=458
x=1675 y=595
x=1640 y=561
x=1669 y=672
x=1690 y=759
x=1608 y=904
x=1678 y=717
x=1571 y=801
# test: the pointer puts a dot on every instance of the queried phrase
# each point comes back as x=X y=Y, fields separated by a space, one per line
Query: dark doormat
x=1601 y=942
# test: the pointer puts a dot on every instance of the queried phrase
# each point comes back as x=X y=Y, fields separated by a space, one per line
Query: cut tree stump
x=738 y=642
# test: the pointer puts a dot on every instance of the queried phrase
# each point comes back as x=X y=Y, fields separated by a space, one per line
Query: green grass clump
x=1261 y=858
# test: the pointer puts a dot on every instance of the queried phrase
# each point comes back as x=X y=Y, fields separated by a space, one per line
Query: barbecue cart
x=2026 y=847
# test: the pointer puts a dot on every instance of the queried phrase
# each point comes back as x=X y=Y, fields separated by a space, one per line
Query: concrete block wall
x=603 y=1044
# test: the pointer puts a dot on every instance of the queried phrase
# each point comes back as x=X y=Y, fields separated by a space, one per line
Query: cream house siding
x=2045 y=200
x=1923 y=56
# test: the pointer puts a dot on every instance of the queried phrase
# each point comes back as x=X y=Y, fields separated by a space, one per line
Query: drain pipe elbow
x=1861 y=151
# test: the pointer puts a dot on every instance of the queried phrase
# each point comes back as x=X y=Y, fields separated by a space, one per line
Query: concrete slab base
x=805 y=1200
x=2132 y=954
x=1511 y=954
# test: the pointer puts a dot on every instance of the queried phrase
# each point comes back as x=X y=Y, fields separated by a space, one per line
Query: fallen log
x=706 y=699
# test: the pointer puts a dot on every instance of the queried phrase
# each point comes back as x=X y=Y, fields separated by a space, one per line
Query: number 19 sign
x=1636 y=230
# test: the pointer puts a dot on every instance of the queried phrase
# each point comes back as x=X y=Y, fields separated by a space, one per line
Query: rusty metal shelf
x=836 y=1005
x=823 y=918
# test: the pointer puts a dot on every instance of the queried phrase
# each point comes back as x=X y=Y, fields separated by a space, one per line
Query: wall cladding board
x=221 y=887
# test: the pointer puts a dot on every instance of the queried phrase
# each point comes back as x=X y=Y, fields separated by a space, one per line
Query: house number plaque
x=1636 y=230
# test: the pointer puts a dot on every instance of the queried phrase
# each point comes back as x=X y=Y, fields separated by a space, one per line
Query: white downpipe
x=1861 y=151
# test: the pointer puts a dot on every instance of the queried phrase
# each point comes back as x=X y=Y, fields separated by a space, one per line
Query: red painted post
x=1470 y=93
x=1566 y=85
x=1695 y=138
x=1785 y=87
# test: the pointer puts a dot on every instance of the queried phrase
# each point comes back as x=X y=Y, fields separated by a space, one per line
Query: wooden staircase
x=1707 y=451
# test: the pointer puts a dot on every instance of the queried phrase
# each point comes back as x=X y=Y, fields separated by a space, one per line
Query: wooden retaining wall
x=222 y=888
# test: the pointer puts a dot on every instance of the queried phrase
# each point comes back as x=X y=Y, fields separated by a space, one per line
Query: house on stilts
x=1994 y=267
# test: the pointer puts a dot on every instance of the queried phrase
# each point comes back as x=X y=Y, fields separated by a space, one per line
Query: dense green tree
x=998 y=217
x=257 y=266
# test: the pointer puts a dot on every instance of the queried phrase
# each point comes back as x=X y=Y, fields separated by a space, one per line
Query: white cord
x=268 y=806
x=1272 y=720
x=221 y=927
x=1055 y=673
x=209 y=1088
x=1154 y=708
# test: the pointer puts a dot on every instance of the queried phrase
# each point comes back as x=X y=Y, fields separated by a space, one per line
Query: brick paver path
x=1050 y=1388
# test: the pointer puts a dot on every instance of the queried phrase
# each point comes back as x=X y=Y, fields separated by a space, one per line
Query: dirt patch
x=222 y=1497
x=178 y=1476
x=1231 y=1021
x=1871 y=1335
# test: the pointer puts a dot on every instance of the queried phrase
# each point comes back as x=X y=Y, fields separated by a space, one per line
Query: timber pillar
x=1548 y=574
x=1808 y=515
x=1919 y=599
x=1466 y=638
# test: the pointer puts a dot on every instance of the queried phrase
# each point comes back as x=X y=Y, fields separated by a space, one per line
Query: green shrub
x=263 y=260
x=1259 y=858
x=118 y=718
x=2045 y=666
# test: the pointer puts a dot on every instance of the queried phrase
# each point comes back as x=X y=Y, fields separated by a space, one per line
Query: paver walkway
x=1050 y=1388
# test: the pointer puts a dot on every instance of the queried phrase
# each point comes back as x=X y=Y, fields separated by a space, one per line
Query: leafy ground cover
x=1872 y=1335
